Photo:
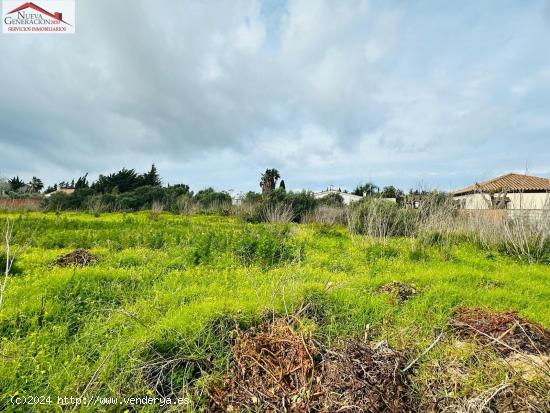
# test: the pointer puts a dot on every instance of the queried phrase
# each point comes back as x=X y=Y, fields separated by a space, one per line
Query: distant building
x=346 y=196
x=510 y=191
x=66 y=191
x=237 y=199
x=414 y=200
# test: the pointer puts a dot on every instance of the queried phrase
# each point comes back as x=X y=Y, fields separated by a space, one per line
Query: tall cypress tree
x=152 y=177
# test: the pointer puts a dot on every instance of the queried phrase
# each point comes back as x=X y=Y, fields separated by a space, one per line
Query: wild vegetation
x=281 y=302
x=159 y=304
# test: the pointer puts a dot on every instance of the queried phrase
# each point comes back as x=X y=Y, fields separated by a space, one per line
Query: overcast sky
x=409 y=93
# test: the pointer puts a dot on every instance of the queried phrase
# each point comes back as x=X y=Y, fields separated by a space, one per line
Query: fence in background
x=497 y=215
x=27 y=204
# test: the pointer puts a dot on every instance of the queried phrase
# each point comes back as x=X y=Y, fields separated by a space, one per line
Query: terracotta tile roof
x=509 y=183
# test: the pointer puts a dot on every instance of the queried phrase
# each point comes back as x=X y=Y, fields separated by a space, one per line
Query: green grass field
x=172 y=287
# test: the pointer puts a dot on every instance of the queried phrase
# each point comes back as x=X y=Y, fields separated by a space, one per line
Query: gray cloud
x=326 y=91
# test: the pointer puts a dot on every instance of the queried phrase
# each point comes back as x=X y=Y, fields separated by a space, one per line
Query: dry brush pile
x=79 y=258
x=276 y=368
x=497 y=362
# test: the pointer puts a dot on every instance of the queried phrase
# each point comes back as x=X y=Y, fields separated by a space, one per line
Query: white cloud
x=325 y=91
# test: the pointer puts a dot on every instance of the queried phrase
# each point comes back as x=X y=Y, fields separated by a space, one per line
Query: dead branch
x=412 y=363
x=8 y=234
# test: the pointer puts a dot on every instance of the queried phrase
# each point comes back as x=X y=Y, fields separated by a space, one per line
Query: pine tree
x=82 y=182
x=152 y=177
x=15 y=184
x=282 y=184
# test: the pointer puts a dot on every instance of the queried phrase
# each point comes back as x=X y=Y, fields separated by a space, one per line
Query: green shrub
x=266 y=247
x=418 y=252
x=292 y=206
x=315 y=304
x=332 y=200
x=432 y=238
x=209 y=198
x=173 y=361
x=302 y=203
x=206 y=246
x=252 y=198
x=380 y=251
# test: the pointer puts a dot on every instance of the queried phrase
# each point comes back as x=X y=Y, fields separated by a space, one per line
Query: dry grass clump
x=96 y=206
x=327 y=215
x=381 y=219
x=156 y=209
x=516 y=233
x=186 y=205
x=466 y=379
x=78 y=258
x=522 y=234
x=500 y=363
x=278 y=213
x=277 y=368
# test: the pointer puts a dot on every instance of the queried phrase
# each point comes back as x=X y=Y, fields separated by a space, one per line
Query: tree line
x=129 y=190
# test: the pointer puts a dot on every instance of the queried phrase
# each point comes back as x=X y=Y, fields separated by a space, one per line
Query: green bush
x=209 y=199
x=252 y=198
x=63 y=202
x=300 y=203
x=140 y=198
x=205 y=246
x=379 y=251
x=332 y=200
x=266 y=247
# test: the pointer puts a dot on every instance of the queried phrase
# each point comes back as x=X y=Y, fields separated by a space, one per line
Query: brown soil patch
x=401 y=291
x=79 y=258
x=275 y=368
x=506 y=331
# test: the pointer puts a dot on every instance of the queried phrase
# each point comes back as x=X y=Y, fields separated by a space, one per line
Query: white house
x=510 y=191
x=347 y=197
x=66 y=191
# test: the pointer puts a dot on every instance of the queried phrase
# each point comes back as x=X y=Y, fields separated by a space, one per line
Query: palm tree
x=268 y=181
x=368 y=189
x=36 y=184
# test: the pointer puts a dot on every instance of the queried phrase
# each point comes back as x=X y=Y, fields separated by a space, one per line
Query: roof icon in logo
x=30 y=5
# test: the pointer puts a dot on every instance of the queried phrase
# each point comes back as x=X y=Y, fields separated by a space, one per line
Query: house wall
x=348 y=198
x=539 y=200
